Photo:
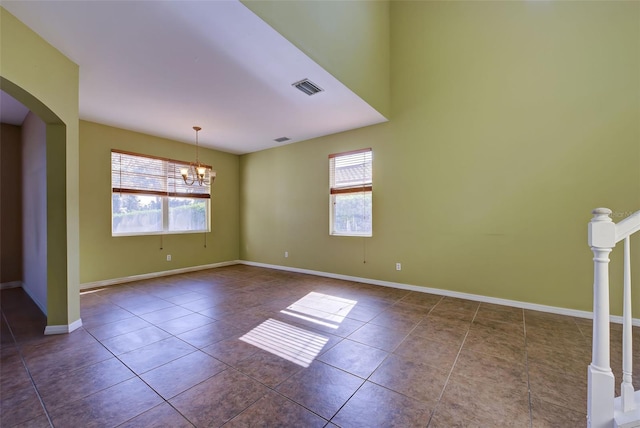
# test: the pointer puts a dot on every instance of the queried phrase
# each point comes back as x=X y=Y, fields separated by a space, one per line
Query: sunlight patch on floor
x=286 y=341
x=322 y=309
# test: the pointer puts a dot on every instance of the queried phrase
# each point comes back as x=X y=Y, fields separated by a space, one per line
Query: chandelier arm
x=190 y=172
x=198 y=171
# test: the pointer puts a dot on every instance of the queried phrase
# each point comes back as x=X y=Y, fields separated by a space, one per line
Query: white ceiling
x=161 y=67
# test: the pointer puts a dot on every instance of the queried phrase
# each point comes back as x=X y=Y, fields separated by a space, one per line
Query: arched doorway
x=39 y=76
x=59 y=292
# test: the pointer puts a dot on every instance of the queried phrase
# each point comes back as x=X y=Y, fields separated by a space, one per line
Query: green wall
x=39 y=76
x=511 y=121
x=104 y=257
x=349 y=39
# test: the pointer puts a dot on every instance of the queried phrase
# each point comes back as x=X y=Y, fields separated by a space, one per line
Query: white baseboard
x=63 y=329
x=41 y=305
x=441 y=292
x=10 y=284
x=114 y=281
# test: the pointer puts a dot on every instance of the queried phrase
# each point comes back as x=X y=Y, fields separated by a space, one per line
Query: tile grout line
x=405 y=337
x=24 y=364
x=228 y=366
x=139 y=376
x=453 y=365
x=430 y=420
x=526 y=362
x=445 y=383
x=365 y=380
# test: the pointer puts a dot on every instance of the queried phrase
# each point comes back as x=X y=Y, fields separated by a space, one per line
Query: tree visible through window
x=351 y=188
x=149 y=196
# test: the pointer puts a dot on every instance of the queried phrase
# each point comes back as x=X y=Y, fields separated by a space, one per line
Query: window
x=350 y=181
x=149 y=196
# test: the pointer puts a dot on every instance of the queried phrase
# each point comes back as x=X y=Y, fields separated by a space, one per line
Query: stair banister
x=603 y=409
x=624 y=229
x=626 y=388
x=602 y=235
x=628 y=226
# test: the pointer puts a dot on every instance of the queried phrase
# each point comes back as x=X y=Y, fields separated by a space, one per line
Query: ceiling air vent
x=281 y=139
x=308 y=87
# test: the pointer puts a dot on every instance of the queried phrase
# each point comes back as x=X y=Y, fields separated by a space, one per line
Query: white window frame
x=358 y=182
x=165 y=183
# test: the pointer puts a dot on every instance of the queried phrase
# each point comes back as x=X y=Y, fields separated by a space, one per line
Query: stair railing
x=603 y=409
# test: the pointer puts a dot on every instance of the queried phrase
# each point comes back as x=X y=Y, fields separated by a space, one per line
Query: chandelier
x=196 y=172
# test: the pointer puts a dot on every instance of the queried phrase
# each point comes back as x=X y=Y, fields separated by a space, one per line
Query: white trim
x=476 y=297
x=63 y=329
x=10 y=284
x=627 y=226
x=421 y=289
x=103 y=283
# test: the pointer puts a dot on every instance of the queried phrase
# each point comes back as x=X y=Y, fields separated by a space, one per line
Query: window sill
x=178 y=232
x=357 y=235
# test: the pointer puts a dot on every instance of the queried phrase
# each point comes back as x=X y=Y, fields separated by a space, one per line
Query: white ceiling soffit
x=161 y=67
x=12 y=111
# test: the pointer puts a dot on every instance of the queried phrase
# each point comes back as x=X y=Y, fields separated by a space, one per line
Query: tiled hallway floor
x=243 y=346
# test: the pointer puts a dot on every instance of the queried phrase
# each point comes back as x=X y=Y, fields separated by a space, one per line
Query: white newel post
x=602 y=235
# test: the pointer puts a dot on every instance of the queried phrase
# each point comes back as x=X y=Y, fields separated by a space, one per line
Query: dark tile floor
x=243 y=346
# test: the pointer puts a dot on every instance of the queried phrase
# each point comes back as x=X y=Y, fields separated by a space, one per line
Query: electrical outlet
x=398 y=266
x=286 y=254
x=168 y=257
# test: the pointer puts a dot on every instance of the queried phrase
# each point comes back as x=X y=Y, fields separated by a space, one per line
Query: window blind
x=351 y=172
x=152 y=175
